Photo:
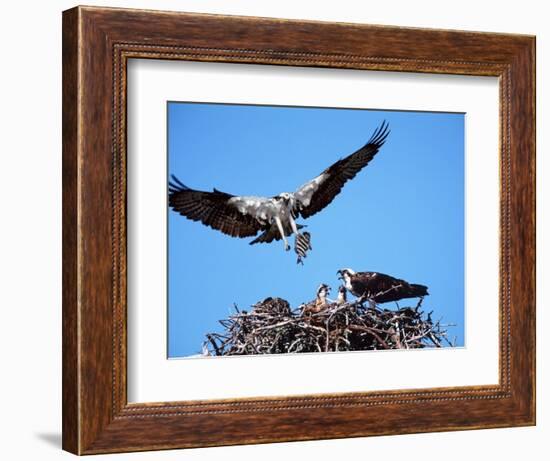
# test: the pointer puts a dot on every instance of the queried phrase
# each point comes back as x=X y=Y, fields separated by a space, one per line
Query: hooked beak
x=341 y=277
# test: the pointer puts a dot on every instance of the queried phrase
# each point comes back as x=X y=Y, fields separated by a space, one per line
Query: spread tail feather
x=264 y=237
x=273 y=234
x=419 y=290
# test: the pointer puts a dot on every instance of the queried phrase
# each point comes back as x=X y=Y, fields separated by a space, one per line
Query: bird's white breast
x=347 y=282
x=262 y=208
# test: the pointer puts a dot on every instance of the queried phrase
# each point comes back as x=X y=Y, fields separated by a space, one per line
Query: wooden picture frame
x=97 y=43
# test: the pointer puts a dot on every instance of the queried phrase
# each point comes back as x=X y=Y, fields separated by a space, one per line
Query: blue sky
x=402 y=215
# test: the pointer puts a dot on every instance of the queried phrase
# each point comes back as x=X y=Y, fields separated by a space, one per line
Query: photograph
x=313 y=229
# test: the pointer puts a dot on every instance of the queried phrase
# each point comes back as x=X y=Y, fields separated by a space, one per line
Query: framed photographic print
x=282 y=230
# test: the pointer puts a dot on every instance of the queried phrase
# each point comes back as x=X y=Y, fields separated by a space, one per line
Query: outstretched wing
x=216 y=209
x=316 y=194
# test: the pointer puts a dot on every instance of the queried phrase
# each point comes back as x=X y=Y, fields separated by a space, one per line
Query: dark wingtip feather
x=175 y=185
x=380 y=134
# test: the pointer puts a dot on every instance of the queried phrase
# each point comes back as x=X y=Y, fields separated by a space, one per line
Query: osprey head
x=323 y=290
x=342 y=294
x=284 y=197
x=344 y=272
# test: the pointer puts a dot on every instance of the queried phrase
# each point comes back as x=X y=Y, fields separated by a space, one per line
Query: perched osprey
x=274 y=217
x=381 y=288
x=342 y=295
x=320 y=303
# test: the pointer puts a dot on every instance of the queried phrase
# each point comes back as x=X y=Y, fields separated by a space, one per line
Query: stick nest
x=272 y=327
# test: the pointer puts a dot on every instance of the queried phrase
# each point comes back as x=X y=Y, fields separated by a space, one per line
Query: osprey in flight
x=275 y=217
x=381 y=288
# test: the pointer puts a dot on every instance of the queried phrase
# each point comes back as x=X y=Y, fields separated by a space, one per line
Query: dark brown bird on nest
x=276 y=306
x=380 y=288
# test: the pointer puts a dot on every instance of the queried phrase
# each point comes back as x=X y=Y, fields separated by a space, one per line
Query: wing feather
x=316 y=194
x=384 y=288
x=213 y=209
